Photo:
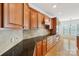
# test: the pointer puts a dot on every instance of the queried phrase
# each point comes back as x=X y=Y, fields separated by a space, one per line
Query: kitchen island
x=35 y=42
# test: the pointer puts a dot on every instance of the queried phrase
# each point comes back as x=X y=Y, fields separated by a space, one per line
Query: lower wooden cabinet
x=39 y=48
x=44 y=46
x=78 y=42
x=28 y=47
x=33 y=47
x=49 y=43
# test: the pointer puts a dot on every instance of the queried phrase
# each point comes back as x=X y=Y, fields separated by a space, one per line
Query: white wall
x=9 y=38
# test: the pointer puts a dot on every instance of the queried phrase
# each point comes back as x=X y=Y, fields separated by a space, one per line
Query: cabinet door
x=26 y=16
x=40 y=20
x=39 y=48
x=33 y=19
x=47 y=22
x=54 y=23
x=78 y=42
x=44 y=46
x=0 y=14
x=13 y=14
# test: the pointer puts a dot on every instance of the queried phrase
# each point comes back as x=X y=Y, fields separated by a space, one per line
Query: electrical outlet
x=12 y=39
x=16 y=39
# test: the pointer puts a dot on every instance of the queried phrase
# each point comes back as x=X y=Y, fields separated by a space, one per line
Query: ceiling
x=63 y=11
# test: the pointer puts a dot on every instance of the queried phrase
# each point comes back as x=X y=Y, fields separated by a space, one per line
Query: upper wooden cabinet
x=44 y=46
x=13 y=15
x=0 y=14
x=34 y=19
x=26 y=16
x=40 y=20
x=47 y=20
x=54 y=24
x=18 y=15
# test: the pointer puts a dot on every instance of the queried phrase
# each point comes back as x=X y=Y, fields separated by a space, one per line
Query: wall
x=9 y=38
x=34 y=33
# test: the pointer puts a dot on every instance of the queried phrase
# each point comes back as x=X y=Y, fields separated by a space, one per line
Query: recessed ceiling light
x=54 y=6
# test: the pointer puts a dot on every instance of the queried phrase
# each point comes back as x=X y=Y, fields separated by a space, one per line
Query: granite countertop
x=28 y=34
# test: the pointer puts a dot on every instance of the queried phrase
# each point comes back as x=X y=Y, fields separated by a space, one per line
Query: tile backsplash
x=9 y=38
x=34 y=33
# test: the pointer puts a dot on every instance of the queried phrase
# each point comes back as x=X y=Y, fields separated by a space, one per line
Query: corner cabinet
x=13 y=15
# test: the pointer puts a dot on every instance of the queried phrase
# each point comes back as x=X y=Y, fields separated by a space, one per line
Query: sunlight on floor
x=65 y=47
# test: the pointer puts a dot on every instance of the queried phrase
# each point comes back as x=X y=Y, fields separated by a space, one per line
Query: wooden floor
x=65 y=47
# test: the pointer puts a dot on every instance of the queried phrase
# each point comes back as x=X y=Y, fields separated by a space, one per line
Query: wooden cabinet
x=39 y=48
x=0 y=14
x=40 y=20
x=54 y=24
x=50 y=42
x=28 y=47
x=13 y=15
x=26 y=16
x=33 y=47
x=44 y=46
x=78 y=42
x=47 y=22
x=33 y=19
x=18 y=15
